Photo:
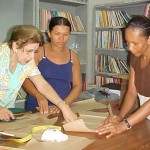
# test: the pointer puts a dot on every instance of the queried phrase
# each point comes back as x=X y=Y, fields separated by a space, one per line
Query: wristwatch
x=128 y=124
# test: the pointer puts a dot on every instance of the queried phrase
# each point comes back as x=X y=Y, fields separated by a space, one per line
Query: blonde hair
x=24 y=34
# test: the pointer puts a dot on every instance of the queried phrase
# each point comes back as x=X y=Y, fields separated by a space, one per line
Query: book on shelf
x=46 y=15
x=147 y=10
x=104 y=18
x=108 y=64
x=116 y=19
x=79 y=24
x=103 y=80
x=70 y=17
x=98 y=19
x=111 y=18
x=109 y=39
x=108 y=78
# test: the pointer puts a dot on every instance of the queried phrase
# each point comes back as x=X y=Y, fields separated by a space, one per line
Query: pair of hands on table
x=43 y=106
x=68 y=114
x=6 y=114
x=111 y=126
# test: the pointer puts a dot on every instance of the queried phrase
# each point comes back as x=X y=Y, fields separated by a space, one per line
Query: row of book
x=108 y=64
x=46 y=15
x=111 y=18
x=103 y=80
x=109 y=39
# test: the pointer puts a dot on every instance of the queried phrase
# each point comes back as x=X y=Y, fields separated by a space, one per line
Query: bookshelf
x=104 y=29
x=109 y=23
x=71 y=9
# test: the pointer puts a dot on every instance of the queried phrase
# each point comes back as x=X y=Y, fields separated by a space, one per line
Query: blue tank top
x=58 y=76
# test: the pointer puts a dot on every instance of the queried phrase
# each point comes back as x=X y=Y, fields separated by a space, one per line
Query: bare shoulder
x=74 y=56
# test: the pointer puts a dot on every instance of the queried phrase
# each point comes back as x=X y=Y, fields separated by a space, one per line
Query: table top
x=137 y=138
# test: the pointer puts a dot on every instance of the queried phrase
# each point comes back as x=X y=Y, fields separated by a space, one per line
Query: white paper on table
x=88 y=104
x=22 y=129
x=73 y=143
x=77 y=126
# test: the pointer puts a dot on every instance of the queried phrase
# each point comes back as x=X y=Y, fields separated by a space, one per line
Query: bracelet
x=60 y=102
x=128 y=124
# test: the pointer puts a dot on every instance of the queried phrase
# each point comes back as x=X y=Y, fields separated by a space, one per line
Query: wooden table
x=137 y=138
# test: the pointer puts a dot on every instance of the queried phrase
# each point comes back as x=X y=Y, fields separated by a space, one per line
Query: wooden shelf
x=65 y=2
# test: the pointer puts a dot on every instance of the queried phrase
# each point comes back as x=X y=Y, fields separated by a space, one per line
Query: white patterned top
x=11 y=83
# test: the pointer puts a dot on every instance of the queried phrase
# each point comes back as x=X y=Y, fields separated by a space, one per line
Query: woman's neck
x=146 y=55
x=13 y=57
x=13 y=61
x=56 y=49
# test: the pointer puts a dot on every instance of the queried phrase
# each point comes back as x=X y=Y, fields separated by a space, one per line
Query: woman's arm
x=44 y=88
x=30 y=88
x=130 y=97
x=76 y=83
x=140 y=114
x=76 y=80
x=135 y=118
x=41 y=100
x=129 y=101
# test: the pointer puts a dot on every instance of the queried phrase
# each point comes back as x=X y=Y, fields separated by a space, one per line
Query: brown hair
x=24 y=34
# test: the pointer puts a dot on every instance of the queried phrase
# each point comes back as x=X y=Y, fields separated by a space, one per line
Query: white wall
x=11 y=13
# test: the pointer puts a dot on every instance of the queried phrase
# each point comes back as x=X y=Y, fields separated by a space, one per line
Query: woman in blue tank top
x=58 y=65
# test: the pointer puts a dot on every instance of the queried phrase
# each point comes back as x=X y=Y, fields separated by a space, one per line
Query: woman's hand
x=109 y=119
x=68 y=114
x=6 y=114
x=42 y=103
x=54 y=109
x=111 y=128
